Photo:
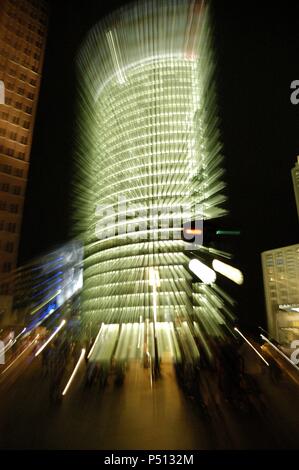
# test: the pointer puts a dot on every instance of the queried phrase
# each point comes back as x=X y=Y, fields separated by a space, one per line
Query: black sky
x=257 y=52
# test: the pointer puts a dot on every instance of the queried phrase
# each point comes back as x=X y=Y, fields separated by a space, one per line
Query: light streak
x=45 y=302
x=139 y=331
x=120 y=75
x=95 y=341
x=27 y=347
x=74 y=372
x=203 y=272
x=279 y=351
x=251 y=345
x=193 y=231
x=228 y=271
x=50 y=338
x=154 y=279
x=8 y=346
x=13 y=341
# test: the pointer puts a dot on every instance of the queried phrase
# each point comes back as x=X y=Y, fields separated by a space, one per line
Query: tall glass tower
x=149 y=160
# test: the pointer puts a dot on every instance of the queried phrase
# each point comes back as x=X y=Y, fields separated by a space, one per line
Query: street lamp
x=154 y=282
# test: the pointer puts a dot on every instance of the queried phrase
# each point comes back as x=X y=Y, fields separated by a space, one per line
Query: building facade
x=295 y=178
x=149 y=160
x=23 y=29
x=22 y=42
x=47 y=284
x=281 y=284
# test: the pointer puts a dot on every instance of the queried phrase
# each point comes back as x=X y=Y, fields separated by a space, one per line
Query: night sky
x=257 y=53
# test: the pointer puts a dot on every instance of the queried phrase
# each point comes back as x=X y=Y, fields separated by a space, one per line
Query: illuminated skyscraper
x=23 y=27
x=295 y=178
x=281 y=281
x=149 y=160
x=281 y=284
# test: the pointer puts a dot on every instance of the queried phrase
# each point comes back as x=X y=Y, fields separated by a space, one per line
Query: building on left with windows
x=23 y=31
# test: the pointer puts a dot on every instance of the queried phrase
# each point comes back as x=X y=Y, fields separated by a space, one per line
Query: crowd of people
x=220 y=372
x=223 y=376
x=55 y=357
